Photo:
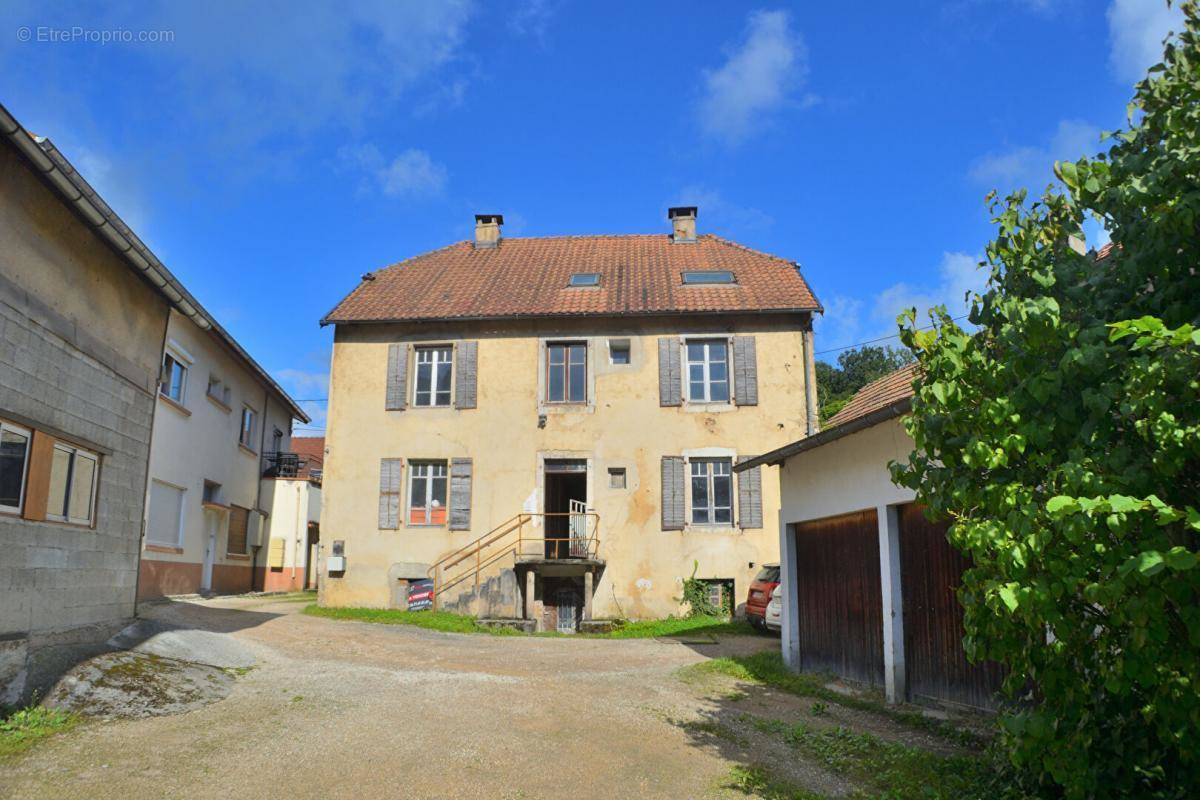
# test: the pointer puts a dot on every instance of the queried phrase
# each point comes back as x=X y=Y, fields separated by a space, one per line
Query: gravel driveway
x=347 y=709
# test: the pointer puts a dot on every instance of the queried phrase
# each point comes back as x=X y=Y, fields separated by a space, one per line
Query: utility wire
x=880 y=339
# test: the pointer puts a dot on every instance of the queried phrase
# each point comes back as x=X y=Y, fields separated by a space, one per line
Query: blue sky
x=271 y=153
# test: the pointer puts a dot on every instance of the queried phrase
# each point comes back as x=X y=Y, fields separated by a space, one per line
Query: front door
x=565 y=492
x=210 y=550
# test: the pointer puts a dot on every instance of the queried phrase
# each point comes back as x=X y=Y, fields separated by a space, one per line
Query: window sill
x=720 y=527
x=214 y=506
x=426 y=525
x=66 y=523
x=708 y=408
x=163 y=548
x=218 y=403
x=237 y=556
x=175 y=404
x=247 y=450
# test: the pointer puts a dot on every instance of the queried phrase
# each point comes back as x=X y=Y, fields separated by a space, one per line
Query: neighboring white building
x=869 y=583
x=293 y=526
x=220 y=422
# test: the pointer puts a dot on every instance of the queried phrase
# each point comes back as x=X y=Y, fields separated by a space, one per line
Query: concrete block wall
x=56 y=578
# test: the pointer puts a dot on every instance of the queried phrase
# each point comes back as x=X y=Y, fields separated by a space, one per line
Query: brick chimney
x=683 y=224
x=487 y=230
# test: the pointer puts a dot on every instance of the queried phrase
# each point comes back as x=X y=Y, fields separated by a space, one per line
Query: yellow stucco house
x=546 y=427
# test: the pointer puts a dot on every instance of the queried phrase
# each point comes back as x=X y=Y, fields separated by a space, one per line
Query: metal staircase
x=524 y=538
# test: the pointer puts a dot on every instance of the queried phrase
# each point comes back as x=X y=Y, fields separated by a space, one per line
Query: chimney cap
x=681 y=211
x=485 y=218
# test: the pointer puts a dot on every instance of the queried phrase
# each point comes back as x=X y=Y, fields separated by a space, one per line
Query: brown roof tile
x=639 y=274
x=876 y=395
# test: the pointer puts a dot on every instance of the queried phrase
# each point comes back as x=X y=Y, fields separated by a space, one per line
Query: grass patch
x=892 y=770
x=462 y=623
x=430 y=620
x=291 y=597
x=21 y=729
x=767 y=668
x=757 y=781
x=679 y=626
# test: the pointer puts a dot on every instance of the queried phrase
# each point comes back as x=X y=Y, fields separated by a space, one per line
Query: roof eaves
x=676 y=312
x=779 y=455
x=77 y=194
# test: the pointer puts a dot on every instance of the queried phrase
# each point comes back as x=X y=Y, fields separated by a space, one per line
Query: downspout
x=262 y=441
x=810 y=380
x=137 y=575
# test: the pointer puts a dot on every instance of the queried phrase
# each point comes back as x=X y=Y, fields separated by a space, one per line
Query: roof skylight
x=585 y=279
x=708 y=276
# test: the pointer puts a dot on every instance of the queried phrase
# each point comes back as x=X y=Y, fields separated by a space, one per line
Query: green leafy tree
x=1062 y=439
x=855 y=369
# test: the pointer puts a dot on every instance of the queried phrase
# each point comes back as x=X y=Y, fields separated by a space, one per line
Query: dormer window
x=713 y=276
x=584 y=279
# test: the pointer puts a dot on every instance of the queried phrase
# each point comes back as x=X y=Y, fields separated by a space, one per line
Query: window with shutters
x=566 y=372
x=712 y=491
x=239 y=521
x=73 y=476
x=427 y=491
x=707 y=370
x=432 y=375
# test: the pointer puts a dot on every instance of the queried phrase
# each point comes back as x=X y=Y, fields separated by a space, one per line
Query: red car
x=760 y=594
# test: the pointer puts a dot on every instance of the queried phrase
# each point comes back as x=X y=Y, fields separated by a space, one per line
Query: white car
x=774 y=616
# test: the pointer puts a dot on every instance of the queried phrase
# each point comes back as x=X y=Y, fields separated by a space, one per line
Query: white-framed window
x=707 y=370
x=566 y=372
x=14 y=466
x=173 y=383
x=249 y=425
x=73 y=476
x=712 y=491
x=427 y=491
x=435 y=367
x=165 y=526
x=618 y=351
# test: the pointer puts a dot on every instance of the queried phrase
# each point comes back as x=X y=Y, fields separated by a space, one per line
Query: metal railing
x=519 y=537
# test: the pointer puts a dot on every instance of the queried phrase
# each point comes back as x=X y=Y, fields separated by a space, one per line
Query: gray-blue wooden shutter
x=397 y=377
x=465 y=358
x=672 y=493
x=745 y=371
x=460 y=494
x=670 y=391
x=389 y=492
x=750 y=510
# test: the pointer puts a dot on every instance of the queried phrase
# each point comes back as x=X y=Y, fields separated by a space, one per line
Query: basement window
x=697 y=277
x=584 y=279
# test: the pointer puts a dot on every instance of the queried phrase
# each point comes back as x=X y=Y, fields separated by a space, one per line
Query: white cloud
x=758 y=77
x=849 y=320
x=1032 y=166
x=532 y=18
x=412 y=173
x=310 y=390
x=262 y=74
x=1137 y=29
x=718 y=214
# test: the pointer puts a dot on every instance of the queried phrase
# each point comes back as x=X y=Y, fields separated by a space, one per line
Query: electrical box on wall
x=254 y=529
x=336 y=562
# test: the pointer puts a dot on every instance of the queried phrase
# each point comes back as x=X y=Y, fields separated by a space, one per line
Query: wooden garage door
x=840 y=605
x=930 y=572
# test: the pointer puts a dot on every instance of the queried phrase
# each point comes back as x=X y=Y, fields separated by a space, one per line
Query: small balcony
x=293 y=466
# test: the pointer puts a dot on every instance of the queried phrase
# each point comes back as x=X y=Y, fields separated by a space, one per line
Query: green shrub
x=1062 y=440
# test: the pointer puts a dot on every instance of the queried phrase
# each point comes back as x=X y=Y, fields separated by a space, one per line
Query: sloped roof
x=876 y=395
x=311 y=450
x=639 y=274
x=878 y=401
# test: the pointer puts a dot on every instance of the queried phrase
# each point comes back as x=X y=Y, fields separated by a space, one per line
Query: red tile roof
x=876 y=395
x=639 y=274
x=311 y=450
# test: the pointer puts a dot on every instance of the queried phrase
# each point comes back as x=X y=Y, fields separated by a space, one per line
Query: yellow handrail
x=494 y=538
